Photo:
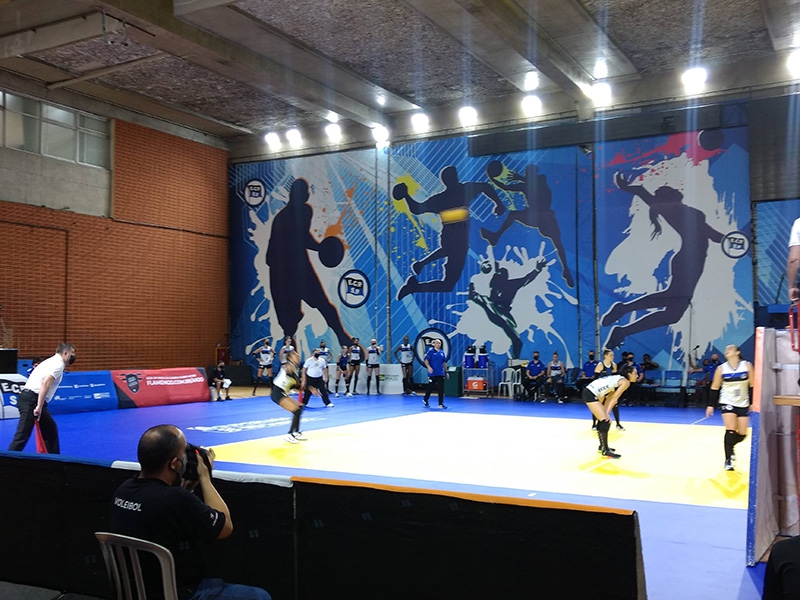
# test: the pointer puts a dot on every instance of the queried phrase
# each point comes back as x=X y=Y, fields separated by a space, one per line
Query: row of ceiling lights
x=600 y=93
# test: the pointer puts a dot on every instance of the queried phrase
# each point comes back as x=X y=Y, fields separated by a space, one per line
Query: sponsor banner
x=151 y=387
x=10 y=387
x=84 y=391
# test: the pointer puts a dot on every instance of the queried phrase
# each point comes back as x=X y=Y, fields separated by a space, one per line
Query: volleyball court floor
x=692 y=513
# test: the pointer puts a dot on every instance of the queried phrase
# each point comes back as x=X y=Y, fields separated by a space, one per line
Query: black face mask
x=71 y=359
x=591 y=357
x=535 y=357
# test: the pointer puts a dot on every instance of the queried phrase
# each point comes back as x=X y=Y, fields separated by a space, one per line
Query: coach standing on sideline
x=37 y=392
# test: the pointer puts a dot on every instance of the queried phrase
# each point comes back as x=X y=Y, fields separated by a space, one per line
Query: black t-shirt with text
x=171 y=516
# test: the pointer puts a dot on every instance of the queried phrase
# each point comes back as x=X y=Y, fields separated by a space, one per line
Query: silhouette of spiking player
x=686 y=266
x=537 y=214
x=452 y=206
x=292 y=278
x=497 y=304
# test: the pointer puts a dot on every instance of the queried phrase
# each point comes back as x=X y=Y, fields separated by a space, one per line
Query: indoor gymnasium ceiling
x=234 y=70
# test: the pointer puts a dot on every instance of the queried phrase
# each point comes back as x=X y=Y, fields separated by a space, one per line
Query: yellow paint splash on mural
x=401 y=207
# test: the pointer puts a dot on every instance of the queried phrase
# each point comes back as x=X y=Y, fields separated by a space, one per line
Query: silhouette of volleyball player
x=452 y=205
x=497 y=304
x=687 y=263
x=537 y=214
x=292 y=278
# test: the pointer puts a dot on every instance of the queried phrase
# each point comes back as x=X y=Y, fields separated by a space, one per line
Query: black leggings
x=435 y=382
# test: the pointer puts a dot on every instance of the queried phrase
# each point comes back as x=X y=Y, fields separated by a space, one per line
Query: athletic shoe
x=594 y=427
x=425 y=403
x=298 y=435
x=337 y=394
x=349 y=395
x=620 y=427
x=609 y=453
x=560 y=401
x=600 y=449
x=291 y=439
x=728 y=466
x=413 y=393
x=542 y=401
x=442 y=407
x=330 y=405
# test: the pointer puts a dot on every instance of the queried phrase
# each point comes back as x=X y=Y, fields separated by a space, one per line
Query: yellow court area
x=661 y=463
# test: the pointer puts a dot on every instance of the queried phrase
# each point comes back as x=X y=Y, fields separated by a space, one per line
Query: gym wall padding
x=329 y=539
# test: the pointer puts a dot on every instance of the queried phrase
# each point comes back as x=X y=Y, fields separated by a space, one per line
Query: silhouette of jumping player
x=497 y=304
x=452 y=206
x=686 y=266
x=292 y=278
x=537 y=214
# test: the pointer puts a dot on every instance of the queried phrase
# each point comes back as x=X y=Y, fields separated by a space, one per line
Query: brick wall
x=148 y=288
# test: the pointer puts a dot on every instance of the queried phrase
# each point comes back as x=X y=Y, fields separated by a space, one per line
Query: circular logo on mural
x=424 y=342
x=254 y=192
x=735 y=244
x=354 y=288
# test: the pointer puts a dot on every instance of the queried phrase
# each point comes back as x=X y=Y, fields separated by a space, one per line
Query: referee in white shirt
x=37 y=392
x=313 y=378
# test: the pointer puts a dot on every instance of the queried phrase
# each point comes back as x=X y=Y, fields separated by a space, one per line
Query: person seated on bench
x=534 y=375
x=221 y=382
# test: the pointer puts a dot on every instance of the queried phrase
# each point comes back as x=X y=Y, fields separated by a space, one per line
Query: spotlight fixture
x=468 y=116
x=694 y=80
x=294 y=137
x=334 y=132
x=380 y=99
x=531 y=81
x=380 y=134
x=532 y=105
x=332 y=117
x=600 y=68
x=273 y=141
x=793 y=64
x=601 y=94
x=420 y=122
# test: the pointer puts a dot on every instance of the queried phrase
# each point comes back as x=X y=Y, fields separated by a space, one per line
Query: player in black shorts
x=341 y=368
x=356 y=358
x=600 y=396
x=287 y=379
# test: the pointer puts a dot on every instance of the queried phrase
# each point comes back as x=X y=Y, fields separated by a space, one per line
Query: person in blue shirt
x=436 y=363
x=535 y=372
x=587 y=371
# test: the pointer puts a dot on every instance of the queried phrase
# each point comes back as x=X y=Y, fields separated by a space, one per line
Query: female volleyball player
x=601 y=396
x=265 y=355
x=341 y=368
x=287 y=379
x=731 y=388
x=605 y=367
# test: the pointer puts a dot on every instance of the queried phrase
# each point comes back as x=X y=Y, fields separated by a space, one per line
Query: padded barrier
x=329 y=539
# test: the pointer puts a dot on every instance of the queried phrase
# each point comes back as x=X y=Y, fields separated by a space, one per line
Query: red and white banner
x=151 y=387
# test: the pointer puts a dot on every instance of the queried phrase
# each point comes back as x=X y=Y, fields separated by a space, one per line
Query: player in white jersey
x=601 y=396
x=731 y=388
x=374 y=365
x=285 y=381
x=405 y=356
x=264 y=355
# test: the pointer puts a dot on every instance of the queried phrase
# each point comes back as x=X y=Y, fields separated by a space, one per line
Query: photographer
x=159 y=507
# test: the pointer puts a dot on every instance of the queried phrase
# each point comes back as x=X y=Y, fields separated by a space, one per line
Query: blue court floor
x=692 y=550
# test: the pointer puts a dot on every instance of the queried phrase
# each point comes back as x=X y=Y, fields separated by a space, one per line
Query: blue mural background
x=513 y=246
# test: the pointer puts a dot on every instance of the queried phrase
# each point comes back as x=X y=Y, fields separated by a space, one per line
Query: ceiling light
x=600 y=69
x=332 y=117
x=294 y=137
x=468 y=116
x=334 y=132
x=601 y=94
x=273 y=141
x=694 y=80
x=380 y=134
x=532 y=106
x=420 y=122
x=380 y=99
x=531 y=81
x=793 y=64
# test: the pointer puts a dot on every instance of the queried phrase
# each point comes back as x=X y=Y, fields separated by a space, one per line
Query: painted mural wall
x=641 y=245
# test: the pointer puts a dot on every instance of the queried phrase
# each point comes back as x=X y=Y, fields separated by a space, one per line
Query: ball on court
x=400 y=191
x=331 y=251
x=711 y=139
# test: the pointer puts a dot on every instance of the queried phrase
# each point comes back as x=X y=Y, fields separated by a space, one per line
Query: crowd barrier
x=304 y=538
x=87 y=391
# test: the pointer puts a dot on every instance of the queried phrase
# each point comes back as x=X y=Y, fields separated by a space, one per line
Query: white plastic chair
x=507 y=381
x=516 y=384
x=121 y=554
